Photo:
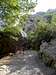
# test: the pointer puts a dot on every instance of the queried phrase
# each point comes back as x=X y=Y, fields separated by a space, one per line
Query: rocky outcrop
x=30 y=24
x=48 y=53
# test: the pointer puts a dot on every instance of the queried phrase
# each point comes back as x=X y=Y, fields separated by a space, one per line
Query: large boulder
x=48 y=53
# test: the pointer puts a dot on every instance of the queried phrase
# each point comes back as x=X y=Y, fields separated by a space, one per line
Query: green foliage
x=11 y=9
x=13 y=14
x=45 y=30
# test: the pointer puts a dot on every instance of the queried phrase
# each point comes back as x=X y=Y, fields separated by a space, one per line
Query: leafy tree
x=13 y=14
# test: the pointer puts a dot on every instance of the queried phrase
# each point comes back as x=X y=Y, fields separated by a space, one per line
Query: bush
x=44 y=31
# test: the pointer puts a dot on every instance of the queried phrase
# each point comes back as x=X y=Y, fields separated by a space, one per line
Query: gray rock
x=48 y=51
x=27 y=64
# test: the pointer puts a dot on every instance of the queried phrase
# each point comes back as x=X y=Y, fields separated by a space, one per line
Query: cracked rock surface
x=24 y=64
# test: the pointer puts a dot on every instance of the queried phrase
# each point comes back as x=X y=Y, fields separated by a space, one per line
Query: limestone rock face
x=30 y=24
x=48 y=53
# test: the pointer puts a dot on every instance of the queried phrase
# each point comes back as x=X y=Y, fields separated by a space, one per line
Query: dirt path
x=27 y=64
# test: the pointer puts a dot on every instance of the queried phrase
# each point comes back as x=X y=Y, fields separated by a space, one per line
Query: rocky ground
x=27 y=64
